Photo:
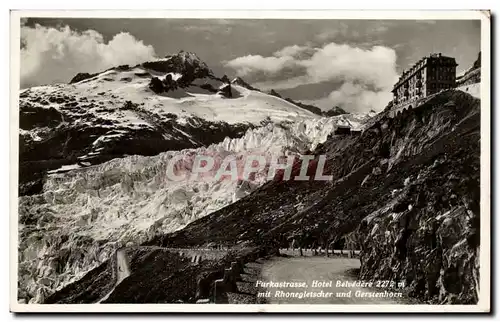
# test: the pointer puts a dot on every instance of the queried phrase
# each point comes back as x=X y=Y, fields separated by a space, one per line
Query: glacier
x=85 y=214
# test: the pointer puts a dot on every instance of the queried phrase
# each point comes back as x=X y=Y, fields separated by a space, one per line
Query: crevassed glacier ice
x=85 y=214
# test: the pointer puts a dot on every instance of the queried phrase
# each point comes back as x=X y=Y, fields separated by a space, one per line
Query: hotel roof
x=432 y=59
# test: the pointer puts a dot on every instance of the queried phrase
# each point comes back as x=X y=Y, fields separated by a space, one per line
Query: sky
x=348 y=63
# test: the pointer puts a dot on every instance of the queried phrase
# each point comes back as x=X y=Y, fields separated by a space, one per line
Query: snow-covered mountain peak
x=189 y=57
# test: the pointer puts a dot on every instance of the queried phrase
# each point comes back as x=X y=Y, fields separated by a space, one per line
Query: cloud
x=249 y=64
x=358 y=98
x=285 y=61
x=292 y=51
x=375 y=67
x=50 y=55
x=367 y=74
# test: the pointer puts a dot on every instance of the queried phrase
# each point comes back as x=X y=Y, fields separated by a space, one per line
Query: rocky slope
x=334 y=111
x=407 y=186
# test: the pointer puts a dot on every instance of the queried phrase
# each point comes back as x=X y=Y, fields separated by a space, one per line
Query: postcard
x=250 y=161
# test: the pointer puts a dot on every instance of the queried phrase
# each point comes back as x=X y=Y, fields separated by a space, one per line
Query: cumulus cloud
x=367 y=74
x=358 y=98
x=375 y=67
x=50 y=55
x=249 y=64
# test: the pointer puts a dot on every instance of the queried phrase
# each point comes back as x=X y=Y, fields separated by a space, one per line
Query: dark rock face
x=31 y=116
x=335 y=111
x=274 y=93
x=81 y=76
x=123 y=67
x=407 y=187
x=429 y=239
x=187 y=64
x=342 y=130
x=226 y=91
x=156 y=85
x=239 y=81
x=169 y=83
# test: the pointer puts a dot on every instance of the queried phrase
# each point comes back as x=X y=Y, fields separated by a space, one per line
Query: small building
x=428 y=76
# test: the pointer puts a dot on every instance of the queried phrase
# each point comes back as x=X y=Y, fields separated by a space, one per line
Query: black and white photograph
x=221 y=162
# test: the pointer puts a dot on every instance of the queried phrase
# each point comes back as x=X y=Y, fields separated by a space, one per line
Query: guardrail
x=319 y=252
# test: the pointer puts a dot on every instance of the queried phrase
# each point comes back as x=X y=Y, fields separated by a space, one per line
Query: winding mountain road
x=312 y=270
x=122 y=270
